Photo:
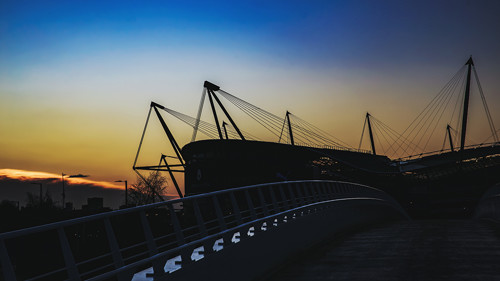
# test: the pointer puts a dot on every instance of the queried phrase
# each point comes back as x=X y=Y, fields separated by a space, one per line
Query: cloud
x=23 y=175
x=15 y=184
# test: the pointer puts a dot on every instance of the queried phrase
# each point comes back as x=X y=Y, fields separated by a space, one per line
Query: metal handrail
x=333 y=147
x=228 y=209
x=437 y=152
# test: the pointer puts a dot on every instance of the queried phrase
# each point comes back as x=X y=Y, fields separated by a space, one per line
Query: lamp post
x=126 y=192
x=63 y=190
x=41 y=200
x=63 y=193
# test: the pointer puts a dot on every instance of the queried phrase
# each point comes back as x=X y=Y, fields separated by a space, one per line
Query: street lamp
x=126 y=193
x=63 y=191
x=40 y=192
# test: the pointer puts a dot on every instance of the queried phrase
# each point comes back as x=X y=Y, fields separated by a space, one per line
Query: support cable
x=398 y=139
x=259 y=116
x=274 y=124
x=490 y=137
x=235 y=135
x=434 y=112
x=401 y=141
x=204 y=127
x=439 y=119
x=378 y=140
x=461 y=111
x=457 y=102
x=198 y=116
x=444 y=140
x=362 y=133
x=142 y=137
x=319 y=138
x=385 y=134
x=214 y=112
x=254 y=115
x=419 y=116
x=321 y=132
x=282 y=128
x=485 y=105
x=227 y=115
x=269 y=116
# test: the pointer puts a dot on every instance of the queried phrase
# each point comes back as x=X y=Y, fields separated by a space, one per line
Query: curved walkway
x=407 y=250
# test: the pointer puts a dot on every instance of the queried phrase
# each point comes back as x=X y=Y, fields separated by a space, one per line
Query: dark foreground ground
x=409 y=250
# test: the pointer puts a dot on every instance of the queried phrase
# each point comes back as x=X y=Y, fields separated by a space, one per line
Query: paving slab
x=406 y=250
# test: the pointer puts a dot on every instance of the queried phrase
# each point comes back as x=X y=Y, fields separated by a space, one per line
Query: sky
x=77 y=77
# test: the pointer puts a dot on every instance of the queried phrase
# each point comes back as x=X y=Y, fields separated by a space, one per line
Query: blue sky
x=314 y=33
x=76 y=77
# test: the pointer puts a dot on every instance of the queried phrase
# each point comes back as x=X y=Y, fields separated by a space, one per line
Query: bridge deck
x=409 y=250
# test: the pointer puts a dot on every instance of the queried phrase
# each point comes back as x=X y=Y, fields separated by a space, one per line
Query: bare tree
x=148 y=190
x=33 y=201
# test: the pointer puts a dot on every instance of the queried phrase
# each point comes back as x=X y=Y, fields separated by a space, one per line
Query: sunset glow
x=77 y=77
x=33 y=176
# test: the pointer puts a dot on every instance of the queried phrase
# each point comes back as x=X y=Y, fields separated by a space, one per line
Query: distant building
x=94 y=204
x=8 y=204
x=69 y=206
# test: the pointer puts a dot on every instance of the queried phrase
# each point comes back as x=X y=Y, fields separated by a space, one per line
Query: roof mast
x=449 y=137
x=469 y=64
x=289 y=127
x=371 y=133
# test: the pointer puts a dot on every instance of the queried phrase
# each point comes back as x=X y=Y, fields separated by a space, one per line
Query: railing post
x=218 y=211
x=333 y=187
x=299 y=194
x=115 y=249
x=294 y=198
x=307 y=193
x=276 y=208
x=315 y=191
x=333 y=190
x=250 y=205
x=148 y=234
x=199 y=218
x=113 y=244
x=150 y=242
x=263 y=201
x=176 y=224
x=236 y=209
x=324 y=188
x=284 y=200
x=68 y=255
x=8 y=270
x=357 y=189
x=318 y=186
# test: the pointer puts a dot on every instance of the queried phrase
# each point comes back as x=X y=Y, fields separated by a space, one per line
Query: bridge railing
x=165 y=236
x=333 y=147
x=442 y=151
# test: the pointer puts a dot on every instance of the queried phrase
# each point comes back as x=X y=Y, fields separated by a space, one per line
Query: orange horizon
x=37 y=175
x=25 y=175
